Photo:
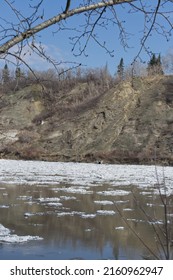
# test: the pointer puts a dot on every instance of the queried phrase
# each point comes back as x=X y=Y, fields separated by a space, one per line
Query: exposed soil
x=123 y=124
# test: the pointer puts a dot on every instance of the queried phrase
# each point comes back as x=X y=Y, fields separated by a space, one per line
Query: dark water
x=98 y=222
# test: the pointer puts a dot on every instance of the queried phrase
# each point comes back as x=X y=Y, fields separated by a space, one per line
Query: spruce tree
x=5 y=74
x=155 y=66
x=18 y=73
x=120 y=69
x=159 y=66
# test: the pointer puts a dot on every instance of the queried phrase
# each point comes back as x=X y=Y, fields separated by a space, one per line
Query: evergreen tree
x=18 y=73
x=5 y=74
x=155 y=66
x=159 y=66
x=153 y=60
x=120 y=69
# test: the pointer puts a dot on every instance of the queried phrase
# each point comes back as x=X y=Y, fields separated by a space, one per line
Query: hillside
x=122 y=124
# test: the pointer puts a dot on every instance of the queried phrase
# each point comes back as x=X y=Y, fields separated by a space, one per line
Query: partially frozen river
x=59 y=210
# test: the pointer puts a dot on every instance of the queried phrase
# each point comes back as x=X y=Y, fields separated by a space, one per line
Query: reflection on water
x=79 y=222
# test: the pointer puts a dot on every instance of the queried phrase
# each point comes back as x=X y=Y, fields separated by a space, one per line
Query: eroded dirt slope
x=126 y=123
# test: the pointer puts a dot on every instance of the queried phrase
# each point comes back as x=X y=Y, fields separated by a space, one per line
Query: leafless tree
x=19 y=33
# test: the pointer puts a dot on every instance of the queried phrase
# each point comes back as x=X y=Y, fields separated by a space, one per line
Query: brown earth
x=125 y=124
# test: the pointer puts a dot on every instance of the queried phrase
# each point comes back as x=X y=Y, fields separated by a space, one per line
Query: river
x=52 y=210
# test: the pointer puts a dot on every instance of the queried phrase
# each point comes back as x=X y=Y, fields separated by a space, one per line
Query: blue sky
x=59 y=46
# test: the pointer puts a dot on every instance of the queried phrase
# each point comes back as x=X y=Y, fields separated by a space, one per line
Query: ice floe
x=39 y=172
x=104 y=202
x=114 y=193
x=127 y=209
x=4 y=206
x=7 y=237
x=5 y=194
x=106 y=212
x=75 y=190
x=86 y=216
x=4 y=231
x=121 y=201
x=72 y=213
x=24 y=197
x=119 y=228
x=28 y=214
x=55 y=204
x=63 y=197
x=48 y=199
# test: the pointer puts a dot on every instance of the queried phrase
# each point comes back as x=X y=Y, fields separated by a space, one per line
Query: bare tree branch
x=67 y=6
x=32 y=31
x=23 y=30
x=144 y=39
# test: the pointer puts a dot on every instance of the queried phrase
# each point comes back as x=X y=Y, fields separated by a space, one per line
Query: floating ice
x=83 y=174
x=127 y=209
x=76 y=190
x=106 y=212
x=104 y=202
x=67 y=197
x=72 y=213
x=146 y=193
x=7 y=237
x=62 y=214
x=29 y=214
x=55 y=204
x=119 y=228
x=35 y=214
x=4 y=206
x=121 y=201
x=4 y=231
x=86 y=216
x=5 y=194
x=18 y=239
x=136 y=220
x=156 y=222
x=114 y=193
x=24 y=197
x=48 y=199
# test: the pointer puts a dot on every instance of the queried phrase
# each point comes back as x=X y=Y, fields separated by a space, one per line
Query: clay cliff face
x=125 y=124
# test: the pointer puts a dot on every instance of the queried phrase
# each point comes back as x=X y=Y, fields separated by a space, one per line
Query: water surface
x=81 y=211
